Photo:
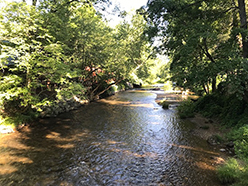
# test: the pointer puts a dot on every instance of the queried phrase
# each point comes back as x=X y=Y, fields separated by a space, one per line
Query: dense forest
x=58 y=54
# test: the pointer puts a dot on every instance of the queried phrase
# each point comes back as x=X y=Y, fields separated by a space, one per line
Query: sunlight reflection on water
x=126 y=139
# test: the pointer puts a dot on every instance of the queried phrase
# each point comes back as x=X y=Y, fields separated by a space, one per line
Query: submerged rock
x=212 y=140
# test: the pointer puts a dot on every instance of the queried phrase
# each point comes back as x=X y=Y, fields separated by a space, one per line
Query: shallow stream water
x=126 y=139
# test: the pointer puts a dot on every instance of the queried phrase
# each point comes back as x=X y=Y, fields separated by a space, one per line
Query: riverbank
x=205 y=128
x=211 y=131
x=10 y=123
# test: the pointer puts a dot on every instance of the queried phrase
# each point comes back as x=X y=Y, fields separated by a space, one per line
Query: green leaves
x=54 y=51
x=199 y=38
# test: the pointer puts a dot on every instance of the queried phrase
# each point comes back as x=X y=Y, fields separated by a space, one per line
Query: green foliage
x=168 y=86
x=242 y=177
x=233 y=172
x=210 y=105
x=71 y=89
x=240 y=138
x=186 y=109
x=229 y=109
x=218 y=138
x=205 y=127
x=164 y=104
x=132 y=50
x=229 y=172
x=204 y=43
x=55 y=51
x=153 y=71
x=234 y=112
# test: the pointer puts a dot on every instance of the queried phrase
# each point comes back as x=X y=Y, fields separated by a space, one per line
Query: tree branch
x=109 y=86
x=205 y=50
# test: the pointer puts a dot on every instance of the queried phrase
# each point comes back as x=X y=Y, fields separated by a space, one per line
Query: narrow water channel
x=126 y=139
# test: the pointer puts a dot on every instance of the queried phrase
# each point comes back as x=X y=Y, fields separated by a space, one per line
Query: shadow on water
x=126 y=139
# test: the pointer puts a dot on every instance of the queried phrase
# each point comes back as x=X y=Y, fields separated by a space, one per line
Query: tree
x=132 y=45
x=52 y=52
x=127 y=49
x=39 y=72
x=243 y=25
x=195 y=33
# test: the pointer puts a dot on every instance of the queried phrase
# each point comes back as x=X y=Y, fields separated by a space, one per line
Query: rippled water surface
x=126 y=139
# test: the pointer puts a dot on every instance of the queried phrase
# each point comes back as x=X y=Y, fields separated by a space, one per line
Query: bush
x=242 y=177
x=186 y=109
x=233 y=173
x=164 y=104
x=240 y=138
x=229 y=172
x=210 y=105
x=234 y=110
x=218 y=138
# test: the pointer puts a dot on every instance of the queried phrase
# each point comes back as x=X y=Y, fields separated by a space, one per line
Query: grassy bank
x=233 y=115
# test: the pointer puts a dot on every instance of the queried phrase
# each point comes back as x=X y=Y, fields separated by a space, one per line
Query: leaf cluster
x=54 y=51
x=202 y=39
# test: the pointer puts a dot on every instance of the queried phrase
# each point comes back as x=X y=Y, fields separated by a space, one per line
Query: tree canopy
x=205 y=40
x=54 y=50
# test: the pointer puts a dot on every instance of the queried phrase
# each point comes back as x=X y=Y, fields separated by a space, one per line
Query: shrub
x=186 y=109
x=240 y=138
x=233 y=173
x=218 y=138
x=205 y=127
x=234 y=111
x=242 y=177
x=164 y=104
x=210 y=105
x=229 y=172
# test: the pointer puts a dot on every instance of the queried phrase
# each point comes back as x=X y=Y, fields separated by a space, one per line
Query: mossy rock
x=164 y=104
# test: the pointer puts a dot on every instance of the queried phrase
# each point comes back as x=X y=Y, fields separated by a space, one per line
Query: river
x=126 y=139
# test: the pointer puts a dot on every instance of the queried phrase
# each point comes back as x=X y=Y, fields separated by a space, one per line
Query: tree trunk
x=94 y=96
x=243 y=22
x=214 y=85
x=210 y=57
x=243 y=26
